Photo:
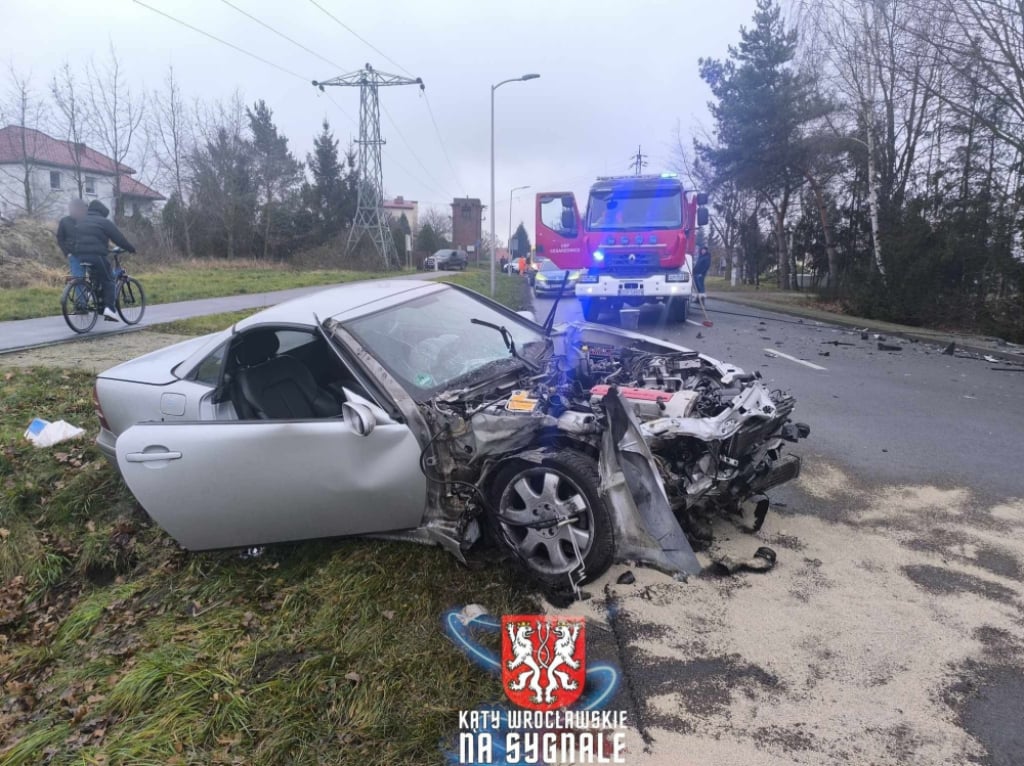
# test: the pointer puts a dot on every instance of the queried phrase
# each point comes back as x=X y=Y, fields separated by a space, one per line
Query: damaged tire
x=528 y=500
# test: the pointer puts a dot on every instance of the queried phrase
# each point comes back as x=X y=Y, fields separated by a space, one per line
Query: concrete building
x=400 y=206
x=55 y=171
x=467 y=223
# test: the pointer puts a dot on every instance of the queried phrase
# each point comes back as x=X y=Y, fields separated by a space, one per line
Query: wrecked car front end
x=674 y=437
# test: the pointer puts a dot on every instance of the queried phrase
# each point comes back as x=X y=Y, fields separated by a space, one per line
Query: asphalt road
x=885 y=415
x=890 y=630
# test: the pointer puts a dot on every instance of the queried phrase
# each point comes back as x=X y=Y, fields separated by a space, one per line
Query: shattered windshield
x=431 y=342
x=637 y=209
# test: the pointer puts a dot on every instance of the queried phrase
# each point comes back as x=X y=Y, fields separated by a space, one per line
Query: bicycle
x=81 y=303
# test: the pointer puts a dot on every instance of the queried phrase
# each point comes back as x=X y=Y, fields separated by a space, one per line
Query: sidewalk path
x=22 y=334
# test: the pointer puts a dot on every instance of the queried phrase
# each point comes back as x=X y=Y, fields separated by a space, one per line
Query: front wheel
x=79 y=306
x=591 y=309
x=131 y=300
x=528 y=498
x=677 y=309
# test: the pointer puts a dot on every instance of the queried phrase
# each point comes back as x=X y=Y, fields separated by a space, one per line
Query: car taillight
x=99 y=410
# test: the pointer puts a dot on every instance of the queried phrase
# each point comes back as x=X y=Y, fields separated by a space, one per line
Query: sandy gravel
x=855 y=649
x=95 y=354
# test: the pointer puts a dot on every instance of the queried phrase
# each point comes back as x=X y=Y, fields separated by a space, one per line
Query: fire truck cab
x=634 y=244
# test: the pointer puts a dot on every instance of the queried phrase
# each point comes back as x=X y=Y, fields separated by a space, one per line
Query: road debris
x=762 y=561
x=888 y=347
x=950 y=349
x=626 y=578
x=43 y=433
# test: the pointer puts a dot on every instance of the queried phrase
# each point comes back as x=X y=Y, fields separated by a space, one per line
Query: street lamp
x=494 y=88
x=513 y=191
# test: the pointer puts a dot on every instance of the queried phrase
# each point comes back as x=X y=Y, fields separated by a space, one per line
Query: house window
x=54 y=179
x=90 y=185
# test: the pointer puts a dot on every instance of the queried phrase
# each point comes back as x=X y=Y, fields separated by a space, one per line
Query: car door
x=560 y=234
x=225 y=484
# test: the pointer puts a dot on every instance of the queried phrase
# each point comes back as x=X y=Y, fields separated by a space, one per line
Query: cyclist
x=66 y=235
x=93 y=236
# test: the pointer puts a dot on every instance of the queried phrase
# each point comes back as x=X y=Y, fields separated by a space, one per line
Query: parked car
x=548 y=279
x=447 y=259
x=426 y=412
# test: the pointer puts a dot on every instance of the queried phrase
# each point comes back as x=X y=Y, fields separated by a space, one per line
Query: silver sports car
x=427 y=412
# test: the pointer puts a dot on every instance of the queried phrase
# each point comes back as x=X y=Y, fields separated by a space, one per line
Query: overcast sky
x=613 y=75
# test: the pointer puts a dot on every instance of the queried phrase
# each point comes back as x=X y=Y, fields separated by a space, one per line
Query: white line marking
x=695 y=324
x=773 y=352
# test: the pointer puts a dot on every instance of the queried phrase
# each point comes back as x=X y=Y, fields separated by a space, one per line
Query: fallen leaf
x=4 y=533
x=389 y=614
x=353 y=677
x=90 y=525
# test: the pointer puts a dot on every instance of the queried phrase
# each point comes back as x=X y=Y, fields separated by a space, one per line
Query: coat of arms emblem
x=543 y=660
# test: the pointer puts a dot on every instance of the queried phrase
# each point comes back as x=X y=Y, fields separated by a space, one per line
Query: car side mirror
x=702 y=216
x=359 y=417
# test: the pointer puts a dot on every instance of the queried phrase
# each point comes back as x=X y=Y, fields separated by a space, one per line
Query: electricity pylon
x=370 y=217
x=639 y=162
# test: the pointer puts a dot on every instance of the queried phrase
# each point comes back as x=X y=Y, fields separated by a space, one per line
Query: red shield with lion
x=543 y=660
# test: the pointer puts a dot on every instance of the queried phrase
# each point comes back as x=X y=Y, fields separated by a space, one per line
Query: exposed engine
x=714 y=434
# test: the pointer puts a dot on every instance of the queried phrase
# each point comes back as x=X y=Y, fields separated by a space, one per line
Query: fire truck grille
x=632 y=262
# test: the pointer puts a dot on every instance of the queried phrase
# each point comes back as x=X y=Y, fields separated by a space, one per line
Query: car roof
x=342 y=302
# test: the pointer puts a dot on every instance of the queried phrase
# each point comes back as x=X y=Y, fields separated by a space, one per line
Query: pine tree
x=278 y=173
x=761 y=104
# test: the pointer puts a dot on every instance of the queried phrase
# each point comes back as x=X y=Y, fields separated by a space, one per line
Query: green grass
x=204 y=324
x=512 y=291
x=118 y=647
x=186 y=281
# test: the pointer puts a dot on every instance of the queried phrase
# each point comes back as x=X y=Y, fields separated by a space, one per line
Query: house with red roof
x=39 y=175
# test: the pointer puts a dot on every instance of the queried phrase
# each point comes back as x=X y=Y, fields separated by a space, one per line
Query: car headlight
x=678 y=276
x=541 y=278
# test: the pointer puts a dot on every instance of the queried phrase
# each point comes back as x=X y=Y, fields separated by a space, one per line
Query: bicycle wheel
x=79 y=306
x=131 y=300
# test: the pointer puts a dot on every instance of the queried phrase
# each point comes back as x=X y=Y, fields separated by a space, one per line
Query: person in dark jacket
x=66 y=235
x=93 y=236
x=700 y=271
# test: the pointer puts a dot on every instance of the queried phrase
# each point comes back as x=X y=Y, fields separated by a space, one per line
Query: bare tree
x=26 y=114
x=984 y=45
x=875 y=56
x=440 y=221
x=117 y=114
x=74 y=118
x=172 y=133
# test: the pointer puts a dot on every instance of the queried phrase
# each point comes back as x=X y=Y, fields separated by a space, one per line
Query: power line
x=360 y=37
x=341 y=109
x=444 y=149
x=412 y=151
x=281 y=34
x=221 y=41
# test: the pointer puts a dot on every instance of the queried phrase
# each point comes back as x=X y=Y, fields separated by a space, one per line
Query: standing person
x=66 y=235
x=522 y=266
x=92 y=242
x=700 y=270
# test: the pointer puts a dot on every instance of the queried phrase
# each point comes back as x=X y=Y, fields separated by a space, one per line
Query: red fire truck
x=635 y=244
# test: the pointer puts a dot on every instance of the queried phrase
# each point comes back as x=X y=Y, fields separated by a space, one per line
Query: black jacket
x=66 y=235
x=93 y=234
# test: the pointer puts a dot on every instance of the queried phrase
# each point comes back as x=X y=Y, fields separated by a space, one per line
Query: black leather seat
x=269 y=387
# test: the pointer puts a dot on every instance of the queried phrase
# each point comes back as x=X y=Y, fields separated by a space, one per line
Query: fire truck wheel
x=677 y=310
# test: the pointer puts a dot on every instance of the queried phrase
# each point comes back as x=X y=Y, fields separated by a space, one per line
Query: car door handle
x=151 y=457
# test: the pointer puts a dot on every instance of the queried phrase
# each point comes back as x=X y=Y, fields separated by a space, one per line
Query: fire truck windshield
x=635 y=209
